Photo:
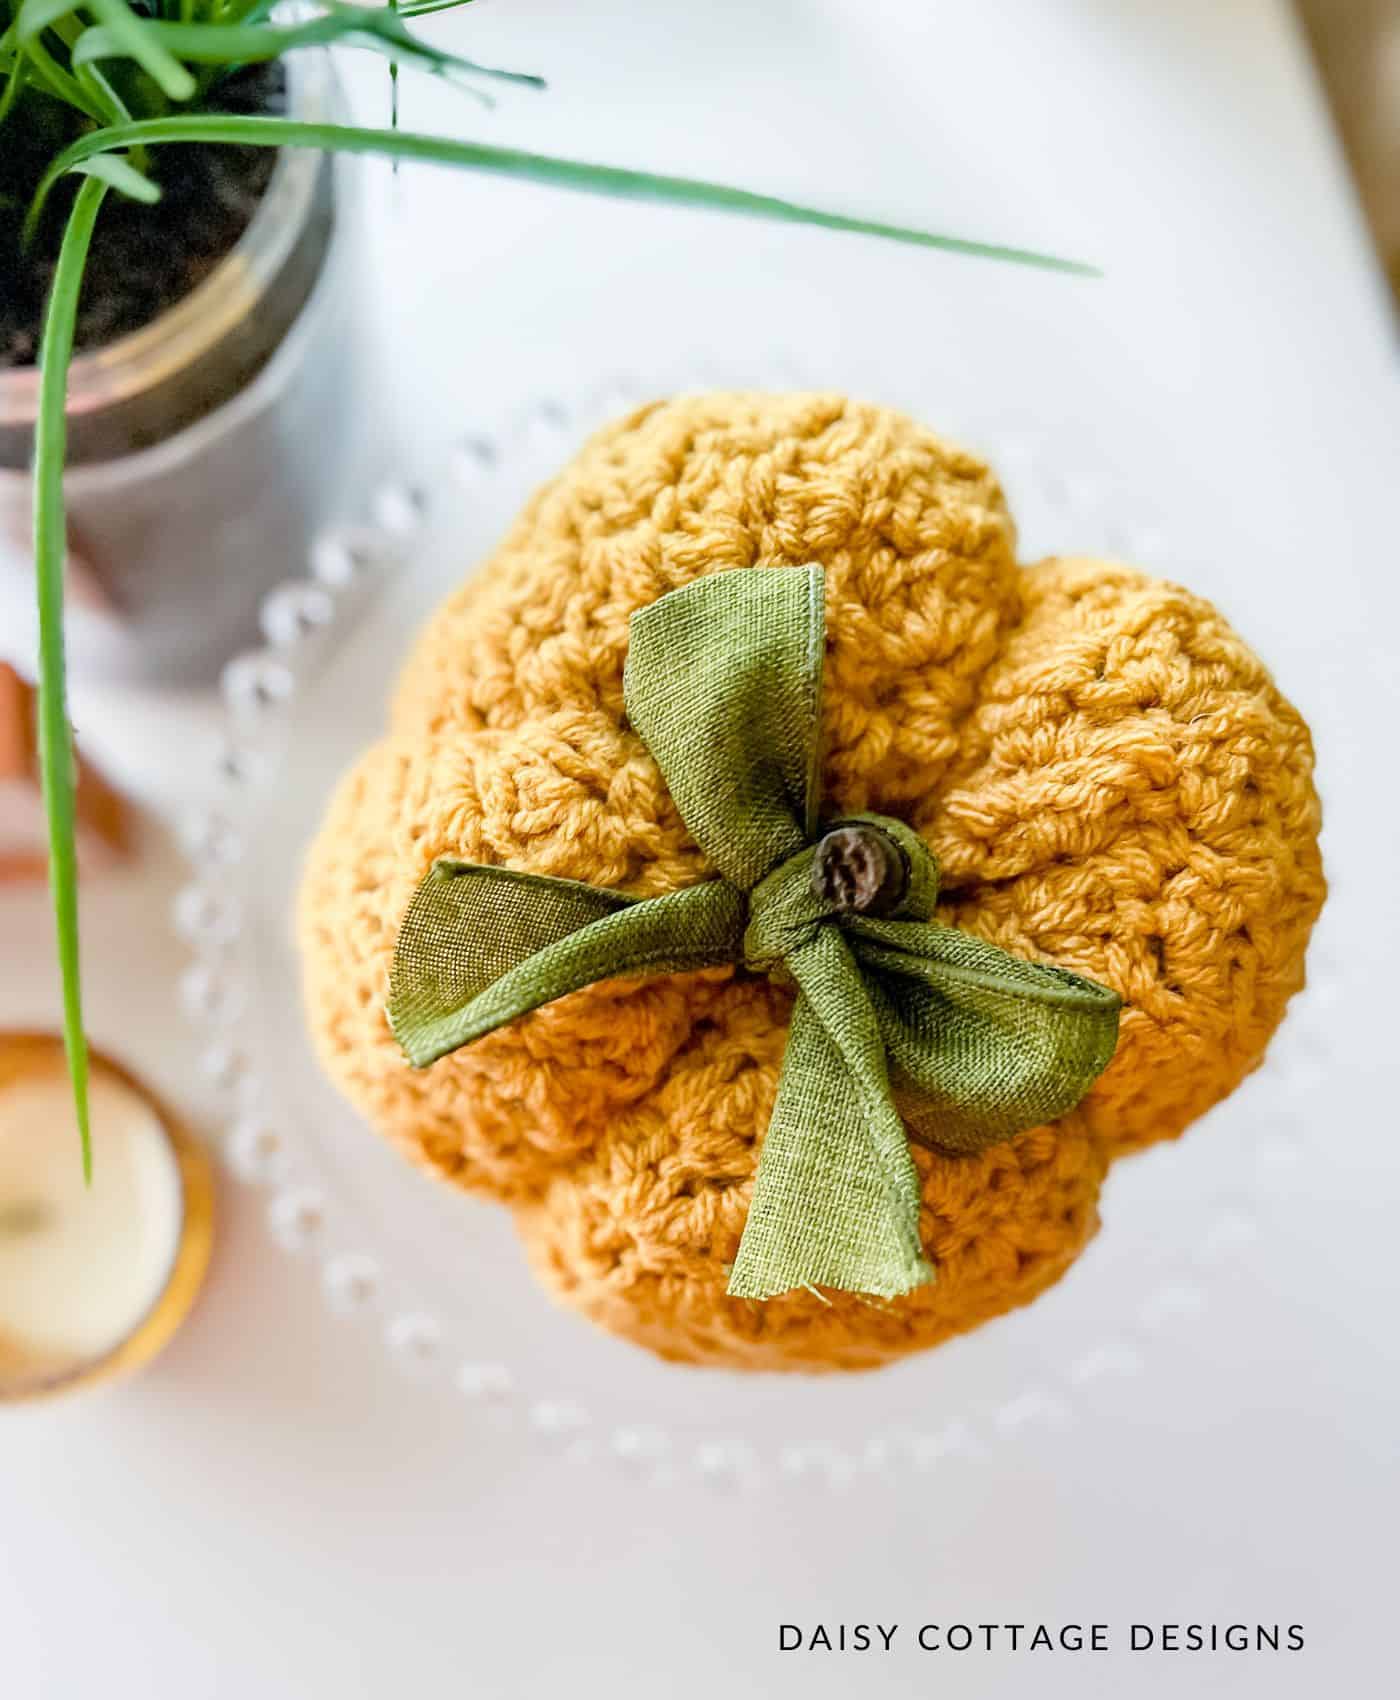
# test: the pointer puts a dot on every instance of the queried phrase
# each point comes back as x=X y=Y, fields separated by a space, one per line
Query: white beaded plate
x=439 y=1278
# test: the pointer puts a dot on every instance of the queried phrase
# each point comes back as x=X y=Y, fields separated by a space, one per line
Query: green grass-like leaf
x=14 y=67
x=116 y=173
x=234 y=44
x=422 y=8
x=614 y=181
x=44 y=71
x=155 y=59
x=56 y=762
x=35 y=16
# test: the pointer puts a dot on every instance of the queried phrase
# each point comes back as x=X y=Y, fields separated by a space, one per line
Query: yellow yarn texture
x=1105 y=771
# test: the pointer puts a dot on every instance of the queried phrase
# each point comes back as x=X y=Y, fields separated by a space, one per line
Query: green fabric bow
x=901 y=1029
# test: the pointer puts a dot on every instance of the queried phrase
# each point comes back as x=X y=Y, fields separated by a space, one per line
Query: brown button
x=857 y=868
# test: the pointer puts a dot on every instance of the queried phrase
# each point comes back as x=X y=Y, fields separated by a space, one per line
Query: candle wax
x=80 y=1267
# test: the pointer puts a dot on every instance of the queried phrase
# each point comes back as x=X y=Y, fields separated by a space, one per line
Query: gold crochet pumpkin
x=1106 y=773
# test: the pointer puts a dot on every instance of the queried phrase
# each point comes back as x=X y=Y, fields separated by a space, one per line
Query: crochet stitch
x=1106 y=773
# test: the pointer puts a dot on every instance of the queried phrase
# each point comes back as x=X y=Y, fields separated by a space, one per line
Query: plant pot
x=204 y=448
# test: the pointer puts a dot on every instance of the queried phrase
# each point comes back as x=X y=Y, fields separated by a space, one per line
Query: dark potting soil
x=143 y=258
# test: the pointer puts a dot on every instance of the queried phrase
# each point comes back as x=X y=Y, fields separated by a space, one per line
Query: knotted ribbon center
x=862 y=866
x=784 y=914
x=901 y=1028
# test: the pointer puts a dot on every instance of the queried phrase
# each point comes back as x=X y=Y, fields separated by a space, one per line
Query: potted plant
x=121 y=101
x=212 y=399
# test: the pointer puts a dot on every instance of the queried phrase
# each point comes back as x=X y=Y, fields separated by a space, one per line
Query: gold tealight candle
x=93 y=1279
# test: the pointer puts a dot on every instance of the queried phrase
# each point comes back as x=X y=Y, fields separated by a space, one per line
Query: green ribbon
x=901 y=1028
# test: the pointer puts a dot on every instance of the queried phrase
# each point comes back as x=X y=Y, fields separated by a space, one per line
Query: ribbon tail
x=836 y=1197
x=482 y=946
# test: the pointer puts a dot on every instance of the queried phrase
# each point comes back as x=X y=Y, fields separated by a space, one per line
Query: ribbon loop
x=723 y=683
x=981 y=1044
x=901 y=1028
x=450 y=983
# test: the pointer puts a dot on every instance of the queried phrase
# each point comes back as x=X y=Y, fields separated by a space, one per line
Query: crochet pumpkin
x=1104 y=774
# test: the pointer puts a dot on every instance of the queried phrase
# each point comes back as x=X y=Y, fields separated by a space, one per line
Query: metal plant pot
x=204 y=448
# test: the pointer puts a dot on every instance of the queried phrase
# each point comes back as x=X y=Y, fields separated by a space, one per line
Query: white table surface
x=269 y=1512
